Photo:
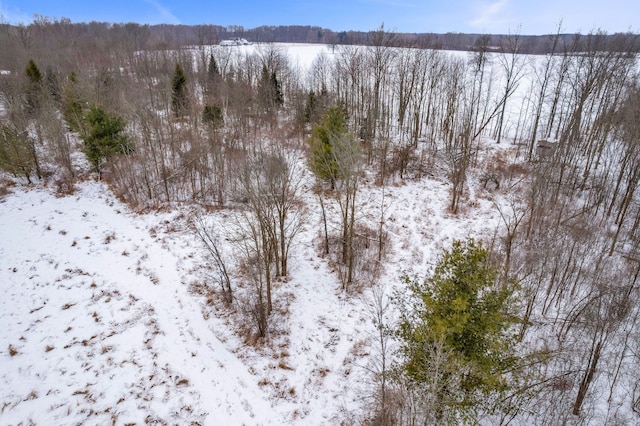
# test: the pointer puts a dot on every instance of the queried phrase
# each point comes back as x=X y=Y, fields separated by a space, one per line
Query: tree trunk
x=587 y=379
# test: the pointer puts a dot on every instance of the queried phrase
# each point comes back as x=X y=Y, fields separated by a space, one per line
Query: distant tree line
x=165 y=36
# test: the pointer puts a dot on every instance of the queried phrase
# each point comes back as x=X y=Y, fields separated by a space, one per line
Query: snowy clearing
x=101 y=326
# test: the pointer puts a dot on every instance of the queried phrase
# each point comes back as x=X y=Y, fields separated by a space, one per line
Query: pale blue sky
x=440 y=16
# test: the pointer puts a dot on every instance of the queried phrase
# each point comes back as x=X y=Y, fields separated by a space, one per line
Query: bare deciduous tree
x=212 y=244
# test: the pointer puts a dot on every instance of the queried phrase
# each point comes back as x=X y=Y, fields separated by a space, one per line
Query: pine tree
x=213 y=81
x=33 y=72
x=105 y=137
x=276 y=90
x=213 y=71
x=324 y=137
x=269 y=93
x=17 y=152
x=179 y=92
x=265 y=93
x=456 y=332
x=34 y=90
x=310 y=107
x=212 y=114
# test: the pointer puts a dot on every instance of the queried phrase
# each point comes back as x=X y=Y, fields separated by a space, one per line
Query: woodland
x=538 y=324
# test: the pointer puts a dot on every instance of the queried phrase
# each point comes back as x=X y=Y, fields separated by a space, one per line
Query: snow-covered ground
x=102 y=321
x=100 y=325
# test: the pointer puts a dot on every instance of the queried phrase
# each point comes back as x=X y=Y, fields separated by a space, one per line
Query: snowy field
x=100 y=325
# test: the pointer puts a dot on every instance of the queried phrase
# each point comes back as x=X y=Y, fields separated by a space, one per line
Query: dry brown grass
x=13 y=351
x=5 y=187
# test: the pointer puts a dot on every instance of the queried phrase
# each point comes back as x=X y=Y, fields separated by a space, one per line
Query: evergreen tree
x=310 y=107
x=33 y=92
x=315 y=105
x=456 y=333
x=212 y=82
x=179 y=92
x=212 y=70
x=212 y=114
x=276 y=90
x=105 y=137
x=324 y=137
x=264 y=76
x=265 y=93
x=269 y=93
x=33 y=72
x=17 y=152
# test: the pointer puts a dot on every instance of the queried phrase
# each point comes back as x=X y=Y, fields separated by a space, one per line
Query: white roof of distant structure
x=235 y=42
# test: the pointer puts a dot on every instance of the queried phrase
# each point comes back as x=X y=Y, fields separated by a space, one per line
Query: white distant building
x=235 y=42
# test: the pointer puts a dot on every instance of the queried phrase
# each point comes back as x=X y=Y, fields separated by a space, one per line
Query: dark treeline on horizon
x=50 y=33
